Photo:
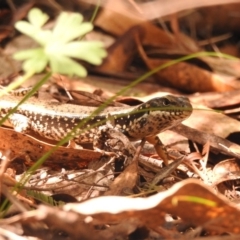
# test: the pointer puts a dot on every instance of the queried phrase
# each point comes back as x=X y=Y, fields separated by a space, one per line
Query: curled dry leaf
x=35 y=147
x=226 y=175
x=188 y=199
x=191 y=78
x=226 y=170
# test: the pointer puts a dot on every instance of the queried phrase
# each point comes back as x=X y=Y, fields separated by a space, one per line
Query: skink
x=54 y=120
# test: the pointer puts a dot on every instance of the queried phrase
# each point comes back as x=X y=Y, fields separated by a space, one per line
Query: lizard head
x=156 y=115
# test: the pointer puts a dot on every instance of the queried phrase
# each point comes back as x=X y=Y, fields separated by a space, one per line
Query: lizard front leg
x=159 y=147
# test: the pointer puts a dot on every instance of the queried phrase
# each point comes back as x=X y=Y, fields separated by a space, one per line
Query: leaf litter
x=195 y=196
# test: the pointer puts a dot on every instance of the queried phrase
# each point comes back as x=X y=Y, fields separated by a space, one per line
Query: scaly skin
x=55 y=120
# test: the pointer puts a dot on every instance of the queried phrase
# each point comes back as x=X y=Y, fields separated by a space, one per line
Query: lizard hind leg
x=19 y=122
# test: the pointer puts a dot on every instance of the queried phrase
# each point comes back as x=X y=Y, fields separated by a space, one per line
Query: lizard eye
x=166 y=102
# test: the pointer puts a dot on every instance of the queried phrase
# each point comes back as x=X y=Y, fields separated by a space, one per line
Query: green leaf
x=37 y=18
x=35 y=59
x=64 y=65
x=40 y=36
x=56 y=46
x=91 y=51
x=25 y=54
x=69 y=26
x=26 y=28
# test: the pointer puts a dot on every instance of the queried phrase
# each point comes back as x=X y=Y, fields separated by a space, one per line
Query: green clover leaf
x=57 y=46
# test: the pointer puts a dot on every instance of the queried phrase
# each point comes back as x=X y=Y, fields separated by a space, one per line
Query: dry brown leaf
x=127 y=179
x=226 y=170
x=217 y=100
x=188 y=194
x=183 y=75
x=34 y=147
x=205 y=125
x=189 y=77
x=121 y=53
x=115 y=22
x=217 y=143
x=157 y=8
x=223 y=66
x=211 y=121
x=220 y=19
x=225 y=178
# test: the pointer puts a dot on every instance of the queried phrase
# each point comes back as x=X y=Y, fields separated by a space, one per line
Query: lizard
x=54 y=120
